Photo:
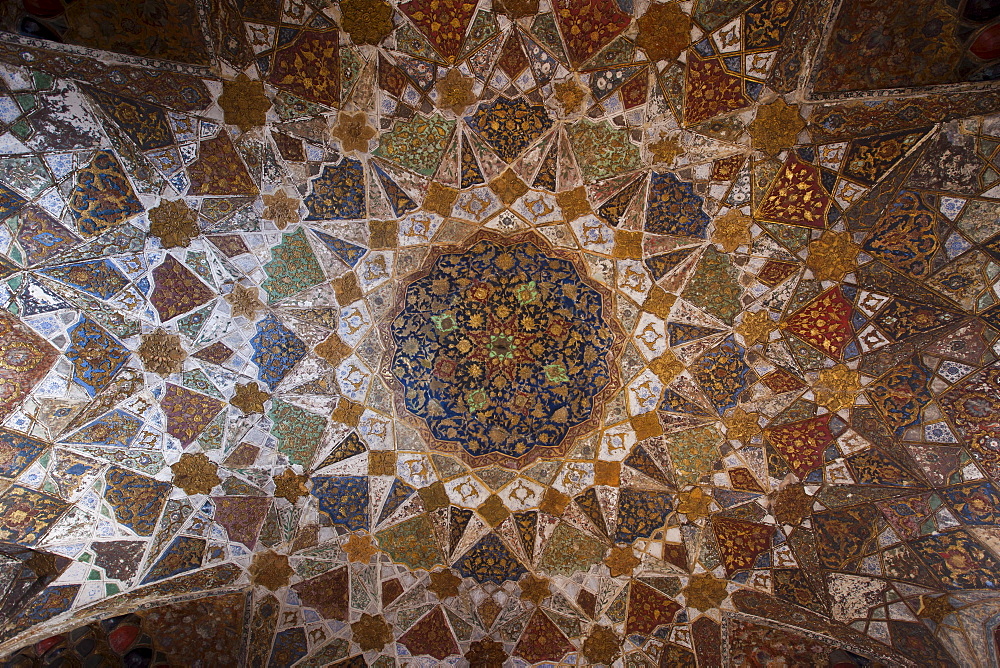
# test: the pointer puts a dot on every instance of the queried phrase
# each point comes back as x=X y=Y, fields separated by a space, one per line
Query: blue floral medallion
x=503 y=350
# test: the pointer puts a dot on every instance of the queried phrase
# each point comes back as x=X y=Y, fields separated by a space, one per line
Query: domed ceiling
x=570 y=332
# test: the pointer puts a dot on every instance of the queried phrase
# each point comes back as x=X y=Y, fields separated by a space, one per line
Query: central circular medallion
x=504 y=352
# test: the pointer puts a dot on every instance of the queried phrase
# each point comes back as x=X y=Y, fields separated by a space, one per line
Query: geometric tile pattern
x=572 y=332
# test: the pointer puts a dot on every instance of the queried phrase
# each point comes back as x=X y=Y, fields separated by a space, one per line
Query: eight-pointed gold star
x=705 y=591
x=755 y=327
x=776 y=126
x=534 y=588
x=249 y=398
x=270 y=569
x=281 y=209
x=732 y=230
x=665 y=149
x=694 y=503
x=244 y=103
x=832 y=256
x=195 y=473
x=455 y=92
x=621 y=561
x=290 y=486
x=837 y=387
x=353 y=132
x=244 y=301
x=444 y=583
x=741 y=425
x=359 y=548
x=161 y=352
x=174 y=222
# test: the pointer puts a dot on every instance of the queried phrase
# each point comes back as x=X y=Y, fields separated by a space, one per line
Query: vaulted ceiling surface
x=528 y=331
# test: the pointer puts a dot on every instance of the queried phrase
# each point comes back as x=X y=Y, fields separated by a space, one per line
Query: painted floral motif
x=96 y=355
x=309 y=67
x=497 y=363
x=589 y=25
x=293 y=268
x=601 y=150
x=510 y=126
x=102 y=197
x=418 y=143
x=443 y=23
x=336 y=192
